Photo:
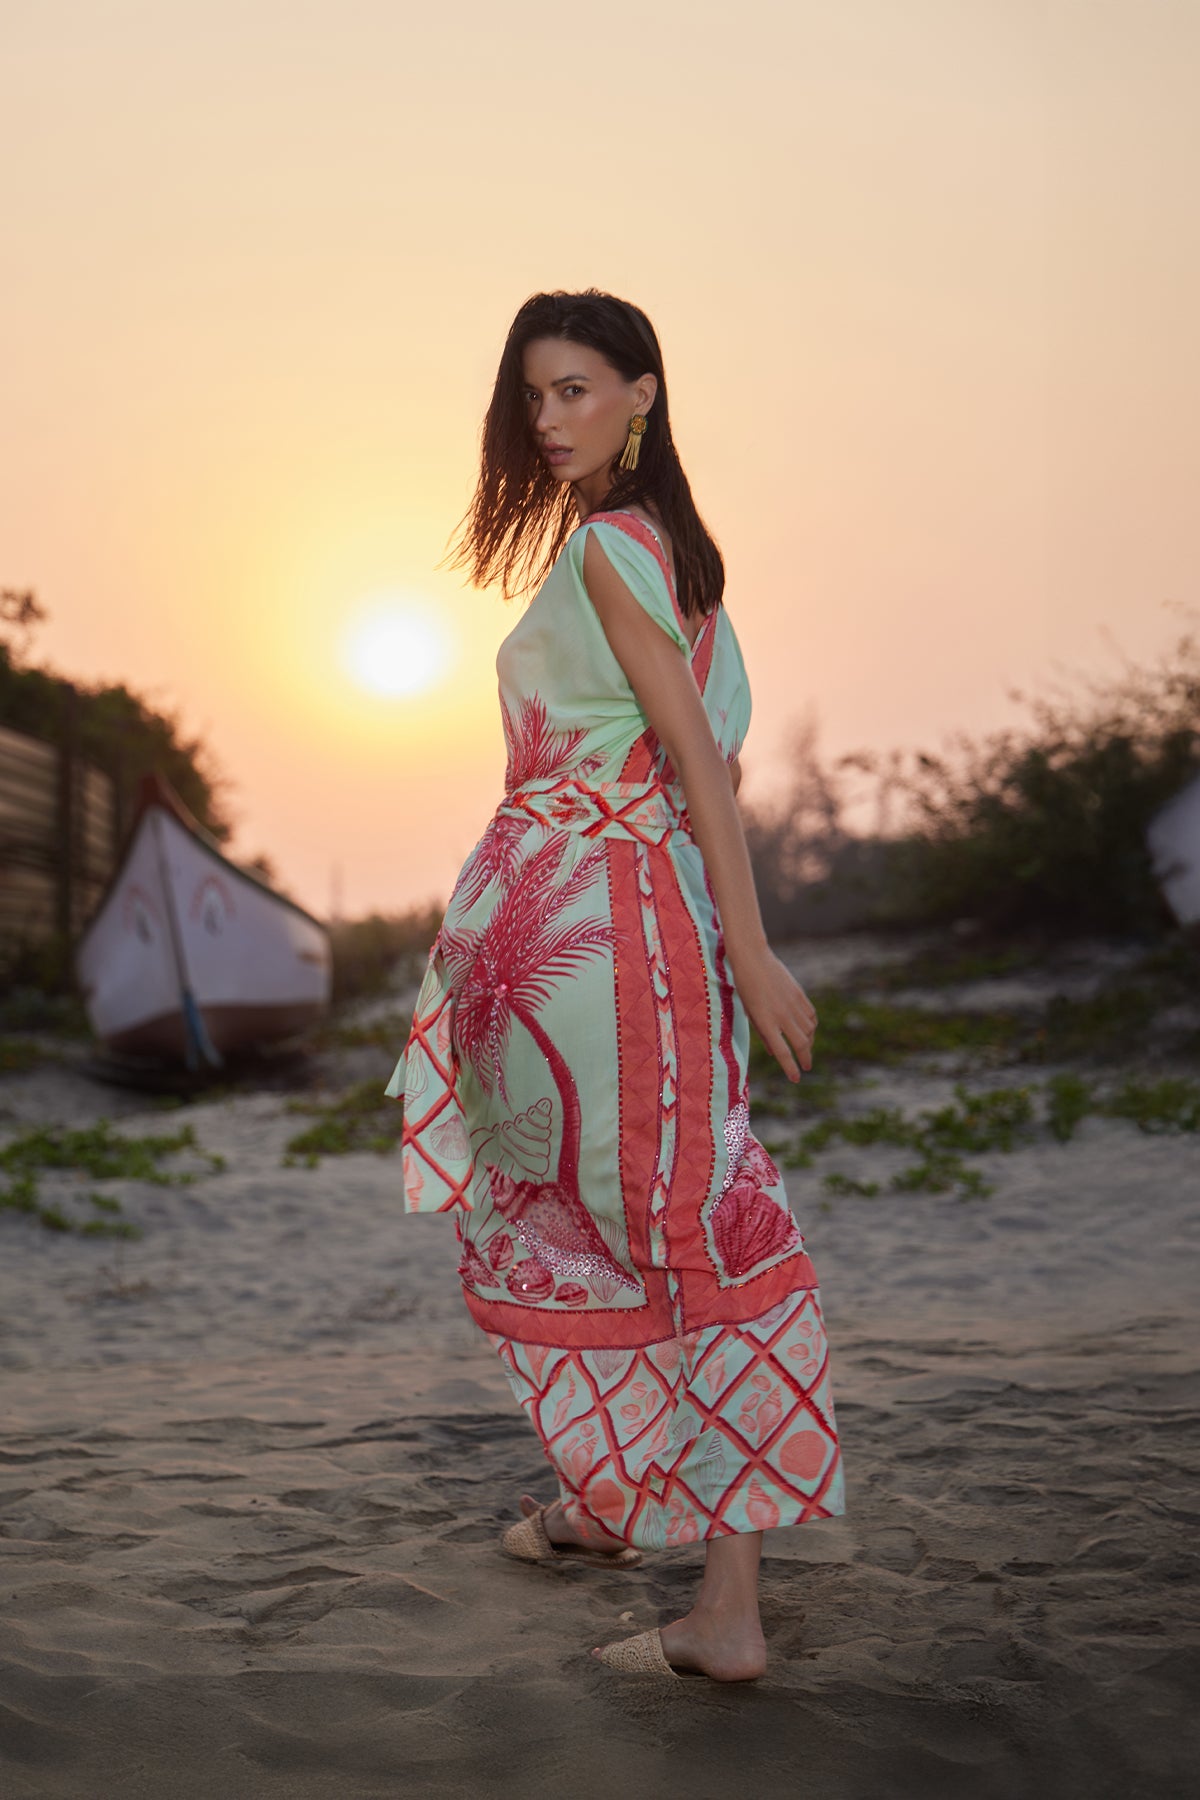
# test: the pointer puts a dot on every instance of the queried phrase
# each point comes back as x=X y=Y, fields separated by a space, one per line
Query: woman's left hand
x=779 y=1009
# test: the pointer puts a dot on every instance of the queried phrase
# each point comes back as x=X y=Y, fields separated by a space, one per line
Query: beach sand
x=253 y=1468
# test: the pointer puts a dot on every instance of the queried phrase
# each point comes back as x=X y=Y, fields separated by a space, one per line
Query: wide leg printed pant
x=725 y=1429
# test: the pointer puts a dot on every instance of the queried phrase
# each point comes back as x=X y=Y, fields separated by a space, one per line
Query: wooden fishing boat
x=1174 y=839
x=187 y=956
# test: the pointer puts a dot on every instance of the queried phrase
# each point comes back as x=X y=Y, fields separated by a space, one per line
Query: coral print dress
x=575 y=1094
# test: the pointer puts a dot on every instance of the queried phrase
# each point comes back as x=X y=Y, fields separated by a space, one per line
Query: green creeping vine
x=100 y=1152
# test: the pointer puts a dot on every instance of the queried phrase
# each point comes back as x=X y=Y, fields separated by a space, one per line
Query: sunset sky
x=926 y=273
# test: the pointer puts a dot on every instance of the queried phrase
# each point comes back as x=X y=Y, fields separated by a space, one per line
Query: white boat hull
x=180 y=918
x=1174 y=839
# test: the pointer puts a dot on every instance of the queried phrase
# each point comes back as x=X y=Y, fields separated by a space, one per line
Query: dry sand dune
x=253 y=1468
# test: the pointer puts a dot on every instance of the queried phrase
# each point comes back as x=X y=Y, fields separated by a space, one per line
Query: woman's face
x=579 y=407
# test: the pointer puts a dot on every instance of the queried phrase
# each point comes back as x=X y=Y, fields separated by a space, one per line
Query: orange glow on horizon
x=925 y=279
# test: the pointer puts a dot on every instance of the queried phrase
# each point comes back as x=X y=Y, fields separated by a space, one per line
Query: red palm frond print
x=536 y=752
x=505 y=970
x=494 y=859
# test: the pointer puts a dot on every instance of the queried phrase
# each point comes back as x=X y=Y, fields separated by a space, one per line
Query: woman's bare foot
x=560 y=1530
x=721 y=1637
x=724 y=1649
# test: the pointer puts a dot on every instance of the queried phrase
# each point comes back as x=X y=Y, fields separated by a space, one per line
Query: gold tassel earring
x=633 y=443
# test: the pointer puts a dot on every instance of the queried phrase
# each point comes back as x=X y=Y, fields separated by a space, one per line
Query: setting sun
x=396 y=646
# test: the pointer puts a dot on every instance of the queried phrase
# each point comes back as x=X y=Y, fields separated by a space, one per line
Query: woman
x=575 y=1081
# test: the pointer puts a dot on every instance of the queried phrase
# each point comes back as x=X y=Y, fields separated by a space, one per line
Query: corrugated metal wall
x=58 y=840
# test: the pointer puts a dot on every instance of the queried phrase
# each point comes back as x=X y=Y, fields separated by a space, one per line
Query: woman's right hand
x=779 y=1009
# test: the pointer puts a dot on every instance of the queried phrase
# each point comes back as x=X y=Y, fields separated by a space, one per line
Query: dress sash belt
x=646 y=811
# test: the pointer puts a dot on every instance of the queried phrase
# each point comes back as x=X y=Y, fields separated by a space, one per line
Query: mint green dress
x=575 y=1094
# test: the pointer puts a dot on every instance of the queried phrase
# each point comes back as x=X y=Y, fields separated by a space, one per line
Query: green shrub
x=104 y=1154
x=1069 y=1100
x=370 y=954
x=361 y=1118
x=1038 y=827
x=1172 y=1104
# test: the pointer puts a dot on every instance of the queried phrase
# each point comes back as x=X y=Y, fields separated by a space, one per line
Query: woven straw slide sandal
x=641 y=1655
x=527 y=1542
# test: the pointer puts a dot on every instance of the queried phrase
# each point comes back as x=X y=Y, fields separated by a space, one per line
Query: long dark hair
x=521 y=516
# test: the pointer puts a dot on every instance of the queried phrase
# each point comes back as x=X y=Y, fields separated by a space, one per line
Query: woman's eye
x=573 y=389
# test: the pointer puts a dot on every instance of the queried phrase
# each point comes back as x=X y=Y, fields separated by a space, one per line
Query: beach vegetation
x=363 y=1117
x=856 y=1030
x=990 y=1120
x=1068 y=1101
x=949 y=965
x=836 y=1183
x=387 y=1032
x=112 y=728
x=26 y=1007
x=1168 y=1105
x=1037 y=827
x=99 y=1152
x=1098 y=1028
x=373 y=955
x=107 y=727
x=20 y=1054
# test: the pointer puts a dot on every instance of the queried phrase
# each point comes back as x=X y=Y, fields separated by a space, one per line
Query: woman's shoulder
x=638 y=524
x=636 y=551
x=636 y=527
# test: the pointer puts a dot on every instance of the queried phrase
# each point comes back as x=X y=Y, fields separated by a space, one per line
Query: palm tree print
x=536 y=752
x=504 y=973
x=494 y=859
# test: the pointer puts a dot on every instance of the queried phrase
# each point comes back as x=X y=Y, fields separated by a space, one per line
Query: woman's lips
x=555 y=453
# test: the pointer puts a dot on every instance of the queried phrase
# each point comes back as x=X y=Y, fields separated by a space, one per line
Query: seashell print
x=557 y=1230
x=657 y=1441
x=570 y=1293
x=769 y=1414
x=577 y=1455
x=603 y=1284
x=416 y=1075
x=500 y=1250
x=562 y=1410
x=707 y=1458
x=528 y=1280
x=450 y=1139
x=757 y=1161
x=714 y=1373
x=748 y=1228
x=605 y=1501
x=610 y=1362
x=803 y=1454
x=761 y=1510
x=711 y=1448
x=683 y=1528
x=652 y=1529
x=665 y=1356
x=522 y=1142
x=617 y=1242
x=736 y=1131
x=472 y=1269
